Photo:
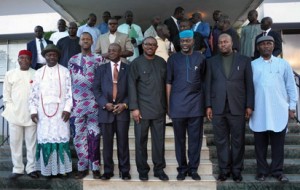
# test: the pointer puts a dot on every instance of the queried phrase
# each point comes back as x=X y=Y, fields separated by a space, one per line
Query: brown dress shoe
x=81 y=174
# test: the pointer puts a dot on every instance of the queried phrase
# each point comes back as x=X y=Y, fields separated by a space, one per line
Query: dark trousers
x=229 y=134
x=194 y=127
x=276 y=140
x=157 y=127
x=120 y=128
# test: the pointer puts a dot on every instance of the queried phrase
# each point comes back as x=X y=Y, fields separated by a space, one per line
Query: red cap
x=25 y=52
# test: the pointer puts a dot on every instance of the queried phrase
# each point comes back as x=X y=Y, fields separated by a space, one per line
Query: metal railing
x=4 y=134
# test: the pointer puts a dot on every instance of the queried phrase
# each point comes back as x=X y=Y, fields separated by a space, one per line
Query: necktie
x=264 y=33
x=41 y=44
x=115 y=81
x=178 y=24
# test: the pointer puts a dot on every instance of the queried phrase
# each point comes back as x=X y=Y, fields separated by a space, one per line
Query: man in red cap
x=16 y=90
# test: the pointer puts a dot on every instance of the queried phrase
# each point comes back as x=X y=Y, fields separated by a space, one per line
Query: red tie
x=115 y=81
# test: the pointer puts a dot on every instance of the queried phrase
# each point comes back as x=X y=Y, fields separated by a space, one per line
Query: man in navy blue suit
x=36 y=47
x=110 y=89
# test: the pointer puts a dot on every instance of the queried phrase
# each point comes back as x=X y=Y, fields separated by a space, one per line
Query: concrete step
x=290 y=152
x=293 y=127
x=250 y=183
x=171 y=166
x=290 y=166
x=26 y=182
x=207 y=182
x=291 y=139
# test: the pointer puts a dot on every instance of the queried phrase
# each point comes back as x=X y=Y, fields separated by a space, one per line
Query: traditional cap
x=186 y=34
x=50 y=48
x=25 y=52
x=264 y=38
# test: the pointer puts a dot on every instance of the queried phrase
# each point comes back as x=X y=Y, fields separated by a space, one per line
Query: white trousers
x=17 y=134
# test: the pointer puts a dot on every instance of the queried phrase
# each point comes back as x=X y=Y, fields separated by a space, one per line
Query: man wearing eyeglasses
x=113 y=36
x=185 y=73
x=147 y=101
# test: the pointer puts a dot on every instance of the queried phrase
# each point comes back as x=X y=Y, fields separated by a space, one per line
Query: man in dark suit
x=110 y=89
x=265 y=25
x=36 y=47
x=173 y=22
x=229 y=101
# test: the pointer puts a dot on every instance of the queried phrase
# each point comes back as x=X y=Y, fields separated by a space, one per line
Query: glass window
x=291 y=50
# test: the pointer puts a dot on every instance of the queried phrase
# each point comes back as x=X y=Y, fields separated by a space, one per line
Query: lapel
x=117 y=38
x=106 y=40
x=121 y=72
x=108 y=71
x=220 y=64
x=234 y=66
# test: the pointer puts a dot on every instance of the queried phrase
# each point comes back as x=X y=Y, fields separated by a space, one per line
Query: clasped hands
x=116 y=109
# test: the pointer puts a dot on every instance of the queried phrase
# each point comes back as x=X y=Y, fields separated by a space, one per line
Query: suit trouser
x=194 y=127
x=16 y=137
x=108 y=130
x=157 y=127
x=229 y=134
x=87 y=141
x=261 y=141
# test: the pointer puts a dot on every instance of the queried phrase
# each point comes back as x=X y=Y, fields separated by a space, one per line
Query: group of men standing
x=99 y=91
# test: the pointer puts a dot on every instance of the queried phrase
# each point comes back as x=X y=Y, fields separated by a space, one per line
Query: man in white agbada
x=16 y=90
x=275 y=101
x=50 y=107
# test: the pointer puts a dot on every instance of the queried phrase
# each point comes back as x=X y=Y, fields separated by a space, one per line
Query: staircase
x=208 y=169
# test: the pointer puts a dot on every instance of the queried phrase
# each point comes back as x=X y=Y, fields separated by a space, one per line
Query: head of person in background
x=224 y=22
x=184 y=25
x=92 y=20
x=51 y=53
x=225 y=44
x=252 y=17
x=163 y=31
x=186 y=41
x=156 y=20
x=86 y=42
x=196 y=17
x=61 y=25
x=179 y=13
x=113 y=25
x=266 y=23
x=128 y=17
x=149 y=45
x=106 y=16
x=24 y=59
x=265 y=46
x=38 y=32
x=216 y=15
x=72 y=29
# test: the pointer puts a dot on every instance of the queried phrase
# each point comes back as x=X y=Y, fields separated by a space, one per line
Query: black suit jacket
x=31 y=46
x=237 y=88
x=172 y=26
x=103 y=87
x=277 y=44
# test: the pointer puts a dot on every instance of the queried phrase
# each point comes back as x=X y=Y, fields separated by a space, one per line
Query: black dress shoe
x=125 y=175
x=181 y=176
x=162 y=176
x=194 y=175
x=33 y=175
x=260 y=177
x=237 y=178
x=143 y=177
x=81 y=174
x=223 y=177
x=96 y=174
x=14 y=176
x=107 y=176
x=282 y=178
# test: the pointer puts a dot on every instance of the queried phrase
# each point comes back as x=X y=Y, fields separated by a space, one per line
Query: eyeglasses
x=150 y=44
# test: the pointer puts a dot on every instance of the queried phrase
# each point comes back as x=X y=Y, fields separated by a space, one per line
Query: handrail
x=297 y=79
x=4 y=128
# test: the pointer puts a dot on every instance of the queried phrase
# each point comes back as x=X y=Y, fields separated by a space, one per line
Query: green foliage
x=48 y=34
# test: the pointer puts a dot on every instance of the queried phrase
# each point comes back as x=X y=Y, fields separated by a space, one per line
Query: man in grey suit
x=229 y=102
x=113 y=36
